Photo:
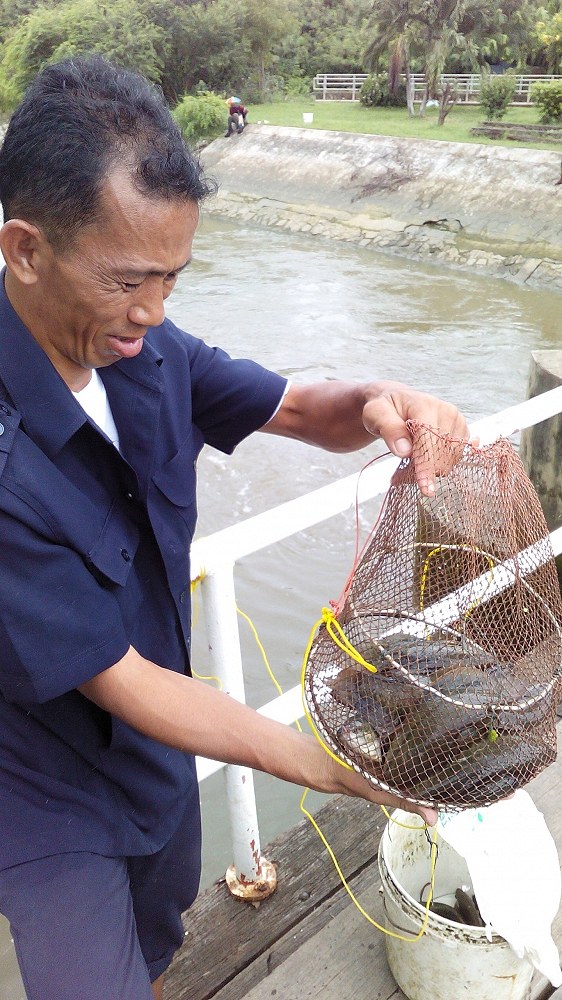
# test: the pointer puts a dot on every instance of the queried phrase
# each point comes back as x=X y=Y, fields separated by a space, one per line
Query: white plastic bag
x=515 y=872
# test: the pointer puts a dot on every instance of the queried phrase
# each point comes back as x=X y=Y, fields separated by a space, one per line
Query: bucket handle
x=398 y=927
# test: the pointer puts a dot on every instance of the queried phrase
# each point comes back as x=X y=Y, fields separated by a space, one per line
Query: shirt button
x=125 y=555
x=129 y=496
x=2 y=428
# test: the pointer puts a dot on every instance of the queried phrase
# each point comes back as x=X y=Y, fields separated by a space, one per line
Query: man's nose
x=148 y=307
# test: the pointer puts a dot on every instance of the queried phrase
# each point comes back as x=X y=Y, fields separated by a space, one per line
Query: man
x=104 y=407
x=237 y=115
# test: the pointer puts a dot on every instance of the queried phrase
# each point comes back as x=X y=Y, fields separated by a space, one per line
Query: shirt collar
x=49 y=412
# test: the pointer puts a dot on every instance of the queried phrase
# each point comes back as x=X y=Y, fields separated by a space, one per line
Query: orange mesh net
x=438 y=677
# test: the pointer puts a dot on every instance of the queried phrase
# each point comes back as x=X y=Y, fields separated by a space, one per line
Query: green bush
x=298 y=86
x=377 y=93
x=496 y=94
x=548 y=98
x=201 y=117
x=392 y=98
x=371 y=92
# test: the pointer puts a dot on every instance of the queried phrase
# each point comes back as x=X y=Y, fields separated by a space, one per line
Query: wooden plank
x=345 y=960
x=336 y=954
x=307 y=878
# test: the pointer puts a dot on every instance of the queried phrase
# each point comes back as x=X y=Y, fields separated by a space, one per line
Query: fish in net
x=439 y=674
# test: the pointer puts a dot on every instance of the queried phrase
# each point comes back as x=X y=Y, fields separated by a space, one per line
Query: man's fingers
x=387 y=416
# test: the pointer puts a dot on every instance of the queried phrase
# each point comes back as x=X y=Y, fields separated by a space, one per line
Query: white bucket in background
x=307 y=117
x=450 y=959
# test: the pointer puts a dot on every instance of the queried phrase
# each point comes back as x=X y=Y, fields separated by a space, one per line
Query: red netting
x=455 y=609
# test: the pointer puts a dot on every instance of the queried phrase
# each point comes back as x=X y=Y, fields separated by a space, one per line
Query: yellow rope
x=441 y=548
x=200 y=677
x=259 y=644
x=336 y=632
x=309 y=719
x=349 y=891
x=338 y=636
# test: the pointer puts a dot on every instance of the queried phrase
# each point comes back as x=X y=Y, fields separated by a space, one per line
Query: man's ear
x=22 y=244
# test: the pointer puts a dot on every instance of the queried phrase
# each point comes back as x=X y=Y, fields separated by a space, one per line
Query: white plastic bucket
x=307 y=117
x=450 y=959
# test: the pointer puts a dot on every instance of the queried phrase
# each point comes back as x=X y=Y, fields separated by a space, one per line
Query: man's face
x=95 y=302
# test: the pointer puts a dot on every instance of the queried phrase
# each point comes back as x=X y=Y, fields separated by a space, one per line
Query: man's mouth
x=125 y=347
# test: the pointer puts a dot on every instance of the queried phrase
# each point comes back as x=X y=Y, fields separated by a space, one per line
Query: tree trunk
x=409 y=91
x=424 y=100
x=261 y=76
x=447 y=100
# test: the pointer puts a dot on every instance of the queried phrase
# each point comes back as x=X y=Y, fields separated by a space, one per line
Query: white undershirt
x=93 y=400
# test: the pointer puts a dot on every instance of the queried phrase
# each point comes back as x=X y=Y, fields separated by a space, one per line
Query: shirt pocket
x=176 y=480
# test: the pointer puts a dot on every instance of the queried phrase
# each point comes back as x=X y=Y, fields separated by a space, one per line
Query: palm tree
x=430 y=30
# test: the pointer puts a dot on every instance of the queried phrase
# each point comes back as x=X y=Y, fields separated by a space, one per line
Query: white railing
x=213 y=560
x=347 y=86
x=468 y=85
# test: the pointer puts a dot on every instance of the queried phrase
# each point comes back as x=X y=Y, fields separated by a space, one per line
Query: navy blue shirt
x=95 y=557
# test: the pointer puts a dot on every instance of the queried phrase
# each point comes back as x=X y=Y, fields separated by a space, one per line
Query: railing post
x=540 y=444
x=250 y=876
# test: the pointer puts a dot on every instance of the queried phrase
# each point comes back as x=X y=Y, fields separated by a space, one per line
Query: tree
x=117 y=30
x=424 y=27
x=498 y=32
x=430 y=32
x=332 y=35
x=548 y=31
x=264 y=26
x=200 y=41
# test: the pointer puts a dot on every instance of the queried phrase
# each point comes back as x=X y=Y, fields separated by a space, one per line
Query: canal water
x=320 y=310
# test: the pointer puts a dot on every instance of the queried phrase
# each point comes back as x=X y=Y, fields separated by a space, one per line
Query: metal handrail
x=213 y=560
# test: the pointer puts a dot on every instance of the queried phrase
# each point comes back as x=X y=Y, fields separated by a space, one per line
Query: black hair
x=78 y=119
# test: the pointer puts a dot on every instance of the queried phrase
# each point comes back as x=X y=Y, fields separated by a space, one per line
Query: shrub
x=370 y=93
x=298 y=86
x=377 y=93
x=201 y=117
x=548 y=98
x=393 y=98
x=496 y=94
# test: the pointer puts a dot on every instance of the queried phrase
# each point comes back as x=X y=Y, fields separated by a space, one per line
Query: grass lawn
x=345 y=116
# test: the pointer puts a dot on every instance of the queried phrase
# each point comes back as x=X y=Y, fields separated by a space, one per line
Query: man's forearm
x=192 y=716
x=326 y=414
x=344 y=416
x=184 y=713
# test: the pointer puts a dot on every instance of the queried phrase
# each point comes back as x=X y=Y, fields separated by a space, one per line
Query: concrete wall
x=491 y=207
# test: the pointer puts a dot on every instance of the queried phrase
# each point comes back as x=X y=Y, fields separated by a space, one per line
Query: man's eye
x=130 y=286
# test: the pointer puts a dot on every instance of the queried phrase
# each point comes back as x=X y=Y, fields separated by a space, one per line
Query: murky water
x=318 y=310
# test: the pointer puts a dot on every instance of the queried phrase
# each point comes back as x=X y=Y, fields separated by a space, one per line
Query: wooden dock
x=308 y=940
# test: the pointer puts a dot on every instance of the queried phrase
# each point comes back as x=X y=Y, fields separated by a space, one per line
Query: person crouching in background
x=237 y=114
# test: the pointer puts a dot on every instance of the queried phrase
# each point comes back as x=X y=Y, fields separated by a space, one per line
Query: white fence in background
x=213 y=561
x=347 y=86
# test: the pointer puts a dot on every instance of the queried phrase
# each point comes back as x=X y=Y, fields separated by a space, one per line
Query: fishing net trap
x=437 y=676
